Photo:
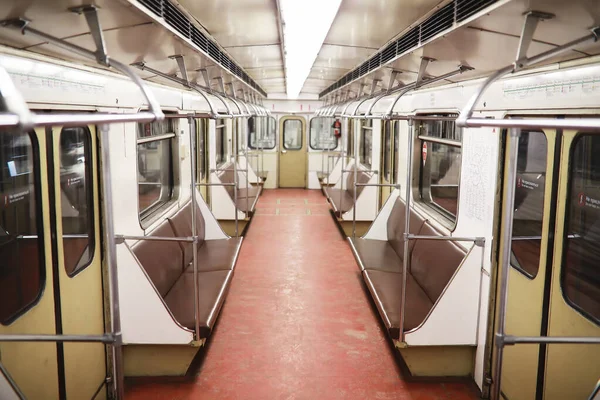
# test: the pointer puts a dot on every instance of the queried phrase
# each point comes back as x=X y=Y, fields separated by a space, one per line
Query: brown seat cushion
x=182 y=227
x=342 y=204
x=217 y=255
x=434 y=262
x=362 y=178
x=385 y=288
x=377 y=255
x=396 y=226
x=162 y=261
x=212 y=287
x=251 y=192
x=245 y=204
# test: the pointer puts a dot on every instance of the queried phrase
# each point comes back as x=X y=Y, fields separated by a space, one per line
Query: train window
x=22 y=270
x=529 y=202
x=76 y=198
x=155 y=165
x=366 y=143
x=201 y=148
x=396 y=154
x=350 y=141
x=292 y=134
x=261 y=133
x=241 y=145
x=221 y=142
x=387 y=145
x=440 y=165
x=580 y=278
x=322 y=135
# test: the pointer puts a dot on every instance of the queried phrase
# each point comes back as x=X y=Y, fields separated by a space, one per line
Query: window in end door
x=292 y=134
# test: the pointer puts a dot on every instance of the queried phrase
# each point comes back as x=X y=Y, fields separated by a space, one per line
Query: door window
x=529 y=202
x=21 y=236
x=292 y=134
x=580 y=278
x=76 y=198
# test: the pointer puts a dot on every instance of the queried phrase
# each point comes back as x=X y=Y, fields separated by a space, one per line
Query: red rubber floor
x=297 y=323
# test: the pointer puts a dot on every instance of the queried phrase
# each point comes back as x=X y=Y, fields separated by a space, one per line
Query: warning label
x=586 y=201
x=522 y=183
x=424 y=152
x=15 y=197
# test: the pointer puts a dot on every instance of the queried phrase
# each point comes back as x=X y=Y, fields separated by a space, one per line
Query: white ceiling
x=248 y=30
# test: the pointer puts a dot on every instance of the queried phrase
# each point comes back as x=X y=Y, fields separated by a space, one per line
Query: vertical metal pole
x=193 y=153
x=342 y=188
x=111 y=267
x=357 y=159
x=247 y=180
x=406 y=260
x=507 y=223
x=235 y=181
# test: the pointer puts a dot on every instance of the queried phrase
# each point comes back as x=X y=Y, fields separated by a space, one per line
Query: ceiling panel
x=341 y=57
x=237 y=23
x=362 y=27
x=130 y=35
x=372 y=24
x=256 y=57
x=490 y=42
x=248 y=30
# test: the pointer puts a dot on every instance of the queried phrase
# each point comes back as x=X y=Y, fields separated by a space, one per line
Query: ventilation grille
x=179 y=21
x=440 y=21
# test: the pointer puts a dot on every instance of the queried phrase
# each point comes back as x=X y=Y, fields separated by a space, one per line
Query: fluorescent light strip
x=305 y=26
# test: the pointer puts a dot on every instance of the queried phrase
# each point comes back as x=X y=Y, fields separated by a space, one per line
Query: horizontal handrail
x=512 y=340
x=215 y=184
x=225 y=169
x=397 y=186
x=361 y=170
x=76 y=119
x=119 y=239
x=107 y=339
x=580 y=125
x=155 y=110
x=479 y=241
x=465 y=118
x=155 y=138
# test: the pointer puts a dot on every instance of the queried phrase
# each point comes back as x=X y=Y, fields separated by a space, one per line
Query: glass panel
x=440 y=174
x=261 y=132
x=366 y=144
x=440 y=166
x=76 y=198
x=292 y=134
x=529 y=202
x=21 y=240
x=386 y=151
x=155 y=174
x=201 y=148
x=156 y=128
x=322 y=135
x=350 y=139
x=581 y=272
x=442 y=130
x=220 y=141
x=396 y=158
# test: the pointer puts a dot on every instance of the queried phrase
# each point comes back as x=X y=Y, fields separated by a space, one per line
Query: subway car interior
x=284 y=199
